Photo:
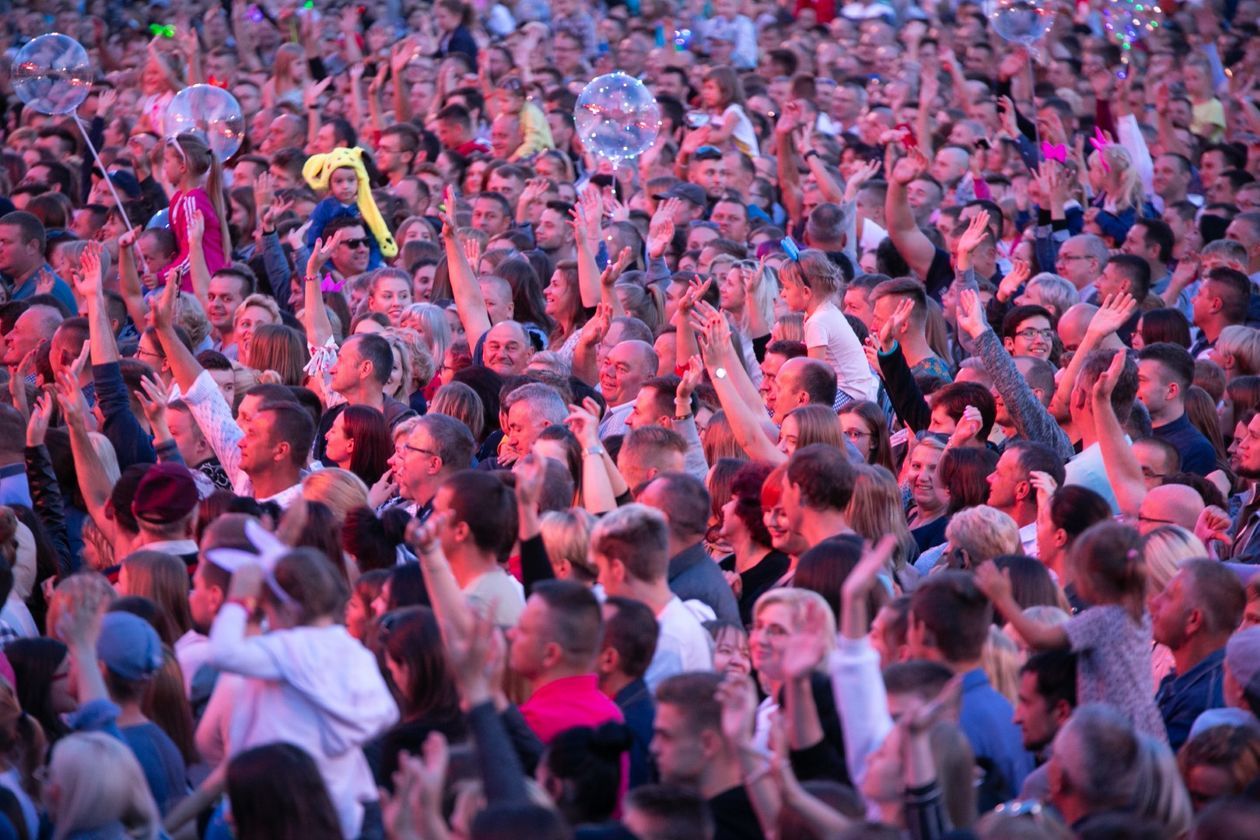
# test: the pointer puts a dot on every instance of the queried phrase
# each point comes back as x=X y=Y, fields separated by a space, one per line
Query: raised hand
x=90 y=283
x=1115 y=311
x=895 y=325
x=312 y=92
x=913 y=165
x=196 y=227
x=967 y=428
x=41 y=414
x=153 y=403
x=738 y=698
x=995 y=583
x=423 y=536
x=530 y=471
x=583 y=421
x=167 y=304
x=970 y=313
x=807 y=646
x=73 y=404
x=594 y=330
x=661 y=231
x=322 y=253
x=863 y=173
x=1213 y=525
x=975 y=233
x=690 y=379
x=590 y=211
x=1105 y=384
x=1014 y=280
x=608 y=278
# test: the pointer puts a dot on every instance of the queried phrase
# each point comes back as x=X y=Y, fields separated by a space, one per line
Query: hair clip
x=162 y=30
x=1099 y=142
x=791 y=249
x=328 y=284
x=1054 y=151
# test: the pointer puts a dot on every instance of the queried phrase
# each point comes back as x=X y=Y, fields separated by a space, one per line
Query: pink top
x=182 y=206
x=568 y=702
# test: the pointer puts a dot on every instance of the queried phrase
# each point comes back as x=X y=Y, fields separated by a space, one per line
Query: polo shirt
x=568 y=702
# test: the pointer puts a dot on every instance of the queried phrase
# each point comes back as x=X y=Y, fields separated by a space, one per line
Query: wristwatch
x=595 y=450
x=720 y=373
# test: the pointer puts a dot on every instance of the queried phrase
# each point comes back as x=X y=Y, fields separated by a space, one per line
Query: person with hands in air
x=131 y=442
x=603 y=487
x=1014 y=381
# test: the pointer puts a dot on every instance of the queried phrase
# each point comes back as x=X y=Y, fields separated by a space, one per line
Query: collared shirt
x=614 y=422
x=1028 y=539
x=27 y=288
x=1183 y=698
x=568 y=702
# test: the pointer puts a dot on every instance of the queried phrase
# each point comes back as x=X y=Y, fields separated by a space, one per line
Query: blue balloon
x=617 y=117
x=52 y=74
x=160 y=219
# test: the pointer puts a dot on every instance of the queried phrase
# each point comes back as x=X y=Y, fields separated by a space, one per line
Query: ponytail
x=201 y=161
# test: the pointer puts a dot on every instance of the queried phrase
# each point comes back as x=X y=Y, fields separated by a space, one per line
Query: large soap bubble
x=1021 y=21
x=52 y=74
x=212 y=114
x=616 y=117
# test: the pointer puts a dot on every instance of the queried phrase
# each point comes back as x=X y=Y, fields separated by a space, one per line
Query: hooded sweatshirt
x=316 y=687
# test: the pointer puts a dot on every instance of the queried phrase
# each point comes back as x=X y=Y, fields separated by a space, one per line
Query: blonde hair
x=791 y=327
x=1129 y=190
x=418 y=364
x=719 y=440
x=282 y=349
x=984 y=533
x=875 y=509
x=106 y=455
x=1243 y=343
x=192 y=317
x=817 y=424
x=461 y=402
x=340 y=490
x=1001 y=660
x=797 y=601
x=1164 y=550
x=436 y=330
x=262 y=302
x=566 y=534
x=99 y=781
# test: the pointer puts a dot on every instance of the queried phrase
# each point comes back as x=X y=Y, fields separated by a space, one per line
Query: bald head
x=803 y=381
x=507 y=349
x=1170 y=504
x=624 y=370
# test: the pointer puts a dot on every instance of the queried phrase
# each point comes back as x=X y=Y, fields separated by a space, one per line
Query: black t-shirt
x=757 y=580
x=734 y=817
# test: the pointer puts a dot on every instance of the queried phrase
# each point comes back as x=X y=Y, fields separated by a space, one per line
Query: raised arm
x=128 y=280
x=786 y=160
x=319 y=330
x=602 y=482
x=1114 y=312
x=724 y=368
x=587 y=233
x=469 y=301
x=996 y=585
x=913 y=245
x=1123 y=469
x=94 y=484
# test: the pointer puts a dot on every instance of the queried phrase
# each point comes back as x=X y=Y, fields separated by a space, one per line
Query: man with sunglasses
x=350 y=257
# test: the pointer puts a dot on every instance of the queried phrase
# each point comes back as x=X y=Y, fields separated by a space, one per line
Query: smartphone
x=697 y=119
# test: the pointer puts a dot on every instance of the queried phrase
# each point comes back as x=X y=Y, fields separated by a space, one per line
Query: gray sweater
x=1032 y=420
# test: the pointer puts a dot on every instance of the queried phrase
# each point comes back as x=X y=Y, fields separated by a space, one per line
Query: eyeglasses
x=1031 y=332
x=356 y=243
x=855 y=434
x=1066 y=257
x=428 y=452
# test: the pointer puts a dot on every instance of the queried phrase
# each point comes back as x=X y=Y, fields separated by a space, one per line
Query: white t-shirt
x=683 y=644
x=827 y=327
x=744 y=135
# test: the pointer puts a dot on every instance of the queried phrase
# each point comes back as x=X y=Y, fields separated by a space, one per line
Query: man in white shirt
x=630 y=547
x=477 y=535
x=621 y=374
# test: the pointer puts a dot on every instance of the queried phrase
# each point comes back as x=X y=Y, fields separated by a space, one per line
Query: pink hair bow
x=328 y=284
x=1099 y=142
x=1054 y=151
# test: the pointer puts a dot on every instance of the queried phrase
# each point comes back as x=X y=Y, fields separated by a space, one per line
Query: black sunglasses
x=356 y=243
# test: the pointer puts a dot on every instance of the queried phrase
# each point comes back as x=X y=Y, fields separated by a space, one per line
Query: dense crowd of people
x=876 y=455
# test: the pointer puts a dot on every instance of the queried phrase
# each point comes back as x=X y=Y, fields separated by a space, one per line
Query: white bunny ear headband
x=270 y=550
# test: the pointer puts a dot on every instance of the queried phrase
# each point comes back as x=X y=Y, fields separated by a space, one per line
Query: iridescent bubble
x=616 y=117
x=1020 y=21
x=52 y=74
x=212 y=114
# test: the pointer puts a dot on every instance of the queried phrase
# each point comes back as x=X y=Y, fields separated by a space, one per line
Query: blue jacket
x=131 y=443
x=693 y=575
x=1181 y=699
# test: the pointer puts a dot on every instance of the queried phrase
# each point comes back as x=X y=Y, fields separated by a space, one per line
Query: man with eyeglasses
x=1081 y=260
x=437 y=447
x=1027 y=331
